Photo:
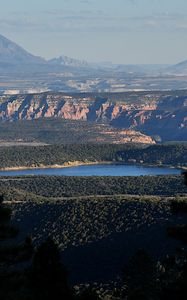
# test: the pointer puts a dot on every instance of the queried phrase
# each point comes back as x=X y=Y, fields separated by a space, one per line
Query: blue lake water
x=97 y=170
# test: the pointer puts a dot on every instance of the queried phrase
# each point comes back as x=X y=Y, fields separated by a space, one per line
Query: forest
x=36 y=156
x=90 y=237
x=64 y=186
x=94 y=235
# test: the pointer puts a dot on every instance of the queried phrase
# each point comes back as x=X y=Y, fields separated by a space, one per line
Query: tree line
x=64 y=186
x=169 y=154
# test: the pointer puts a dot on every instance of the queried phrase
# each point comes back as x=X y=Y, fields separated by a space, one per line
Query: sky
x=120 y=31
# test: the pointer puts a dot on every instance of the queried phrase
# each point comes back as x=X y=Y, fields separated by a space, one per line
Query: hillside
x=97 y=235
x=13 y=54
x=14 y=58
x=159 y=115
x=49 y=155
x=178 y=69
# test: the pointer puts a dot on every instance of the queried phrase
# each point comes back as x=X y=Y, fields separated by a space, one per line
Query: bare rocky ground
x=20 y=143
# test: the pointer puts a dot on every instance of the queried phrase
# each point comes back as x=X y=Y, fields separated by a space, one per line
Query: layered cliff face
x=152 y=115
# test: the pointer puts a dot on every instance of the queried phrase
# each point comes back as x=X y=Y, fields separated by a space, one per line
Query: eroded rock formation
x=164 y=116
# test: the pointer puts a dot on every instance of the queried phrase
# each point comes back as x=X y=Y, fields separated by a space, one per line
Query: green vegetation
x=120 y=224
x=89 y=219
x=57 y=154
x=178 y=206
x=53 y=131
x=12 y=256
x=28 y=273
x=6 y=230
x=47 y=276
x=84 y=227
x=64 y=186
x=94 y=223
x=171 y=154
x=165 y=279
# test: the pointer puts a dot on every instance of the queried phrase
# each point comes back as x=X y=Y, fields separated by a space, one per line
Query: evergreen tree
x=48 y=276
x=12 y=255
x=139 y=277
x=174 y=280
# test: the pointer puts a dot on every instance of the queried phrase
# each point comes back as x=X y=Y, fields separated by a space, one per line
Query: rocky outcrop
x=117 y=136
x=163 y=116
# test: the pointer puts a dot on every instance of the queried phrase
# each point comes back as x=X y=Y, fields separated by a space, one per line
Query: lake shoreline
x=81 y=163
x=55 y=166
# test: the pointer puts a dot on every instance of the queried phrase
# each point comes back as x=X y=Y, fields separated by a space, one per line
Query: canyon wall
x=163 y=117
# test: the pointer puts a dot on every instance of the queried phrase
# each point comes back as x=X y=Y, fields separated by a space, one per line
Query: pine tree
x=12 y=276
x=48 y=276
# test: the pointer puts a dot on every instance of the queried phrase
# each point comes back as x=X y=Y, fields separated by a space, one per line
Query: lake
x=96 y=170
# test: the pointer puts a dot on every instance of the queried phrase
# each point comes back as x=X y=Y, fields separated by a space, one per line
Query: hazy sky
x=121 y=31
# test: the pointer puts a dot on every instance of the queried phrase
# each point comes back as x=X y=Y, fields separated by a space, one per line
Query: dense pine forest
x=90 y=237
x=168 y=154
x=32 y=267
x=64 y=186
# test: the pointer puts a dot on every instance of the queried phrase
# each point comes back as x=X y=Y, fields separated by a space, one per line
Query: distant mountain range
x=68 y=61
x=178 y=69
x=14 y=58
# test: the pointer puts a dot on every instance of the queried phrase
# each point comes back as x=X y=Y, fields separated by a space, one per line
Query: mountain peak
x=12 y=53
